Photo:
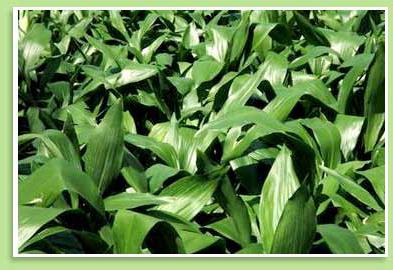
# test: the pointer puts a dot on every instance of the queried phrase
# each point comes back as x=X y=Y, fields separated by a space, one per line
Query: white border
x=15 y=252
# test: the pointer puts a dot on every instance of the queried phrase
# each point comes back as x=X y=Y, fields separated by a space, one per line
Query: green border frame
x=6 y=259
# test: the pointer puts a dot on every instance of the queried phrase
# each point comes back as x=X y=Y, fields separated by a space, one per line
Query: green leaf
x=144 y=27
x=190 y=194
x=273 y=70
x=117 y=22
x=190 y=36
x=131 y=73
x=183 y=85
x=148 y=52
x=252 y=249
x=265 y=33
x=343 y=42
x=359 y=65
x=279 y=186
x=310 y=33
x=126 y=200
x=205 y=70
x=61 y=90
x=196 y=242
x=42 y=235
x=330 y=185
x=34 y=46
x=46 y=184
x=217 y=48
x=265 y=125
x=226 y=228
x=158 y=174
x=350 y=128
x=136 y=178
x=111 y=54
x=84 y=120
x=311 y=54
x=240 y=36
x=286 y=99
x=374 y=99
x=104 y=153
x=33 y=118
x=182 y=140
x=241 y=116
x=163 y=150
x=376 y=176
x=296 y=230
x=128 y=123
x=31 y=219
x=236 y=210
x=328 y=139
x=339 y=240
x=354 y=189
x=56 y=144
x=130 y=230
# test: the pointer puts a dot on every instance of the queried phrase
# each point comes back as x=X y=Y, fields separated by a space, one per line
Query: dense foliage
x=201 y=132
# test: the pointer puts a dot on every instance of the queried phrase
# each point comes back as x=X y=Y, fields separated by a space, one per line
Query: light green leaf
x=31 y=219
x=359 y=65
x=252 y=249
x=239 y=117
x=376 y=176
x=273 y=70
x=217 y=48
x=354 y=189
x=136 y=178
x=34 y=46
x=190 y=194
x=279 y=186
x=42 y=235
x=158 y=174
x=286 y=99
x=345 y=43
x=126 y=200
x=46 y=184
x=226 y=228
x=104 y=153
x=240 y=36
x=196 y=242
x=310 y=54
x=190 y=36
x=56 y=144
x=130 y=230
x=131 y=73
x=350 y=128
x=117 y=22
x=163 y=150
x=205 y=70
x=328 y=138
x=183 y=85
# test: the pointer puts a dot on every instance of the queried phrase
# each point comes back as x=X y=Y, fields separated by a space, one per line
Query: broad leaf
x=190 y=194
x=280 y=184
x=339 y=240
x=31 y=219
x=46 y=184
x=104 y=152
